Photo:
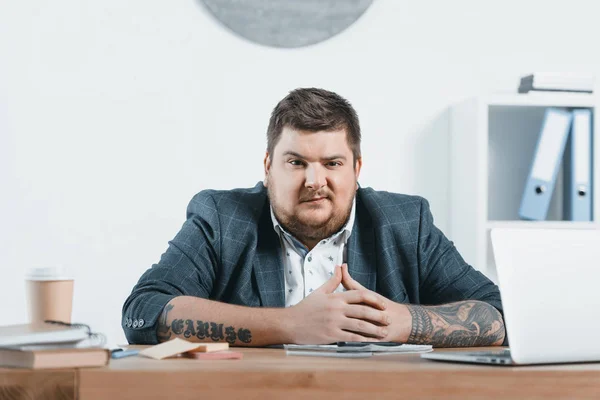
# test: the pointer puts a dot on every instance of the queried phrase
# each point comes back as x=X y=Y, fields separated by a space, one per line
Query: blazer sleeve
x=187 y=268
x=444 y=275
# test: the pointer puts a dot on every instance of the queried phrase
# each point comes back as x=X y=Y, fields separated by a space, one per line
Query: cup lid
x=48 y=274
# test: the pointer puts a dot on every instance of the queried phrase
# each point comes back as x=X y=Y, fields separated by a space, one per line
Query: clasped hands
x=358 y=314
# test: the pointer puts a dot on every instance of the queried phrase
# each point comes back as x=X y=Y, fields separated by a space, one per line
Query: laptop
x=549 y=283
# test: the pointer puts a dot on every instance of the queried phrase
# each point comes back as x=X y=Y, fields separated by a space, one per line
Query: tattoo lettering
x=462 y=324
x=190 y=331
x=177 y=326
x=230 y=334
x=202 y=330
x=244 y=335
x=216 y=331
x=162 y=330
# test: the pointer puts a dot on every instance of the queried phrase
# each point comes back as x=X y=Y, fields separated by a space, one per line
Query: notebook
x=368 y=350
x=42 y=333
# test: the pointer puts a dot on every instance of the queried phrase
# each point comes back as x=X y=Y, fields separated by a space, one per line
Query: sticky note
x=177 y=346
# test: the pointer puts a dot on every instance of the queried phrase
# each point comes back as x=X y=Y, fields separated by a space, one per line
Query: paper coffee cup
x=49 y=294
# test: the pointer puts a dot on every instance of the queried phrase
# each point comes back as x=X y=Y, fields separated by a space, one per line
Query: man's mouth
x=316 y=199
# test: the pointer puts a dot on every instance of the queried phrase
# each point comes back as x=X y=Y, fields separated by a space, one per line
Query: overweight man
x=308 y=256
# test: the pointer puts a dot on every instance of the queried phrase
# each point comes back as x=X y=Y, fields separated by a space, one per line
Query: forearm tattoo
x=199 y=329
x=462 y=324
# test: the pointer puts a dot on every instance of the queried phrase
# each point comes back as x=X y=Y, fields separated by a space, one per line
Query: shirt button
x=309 y=258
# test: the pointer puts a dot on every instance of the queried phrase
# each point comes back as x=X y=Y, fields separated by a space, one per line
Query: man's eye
x=334 y=164
x=296 y=163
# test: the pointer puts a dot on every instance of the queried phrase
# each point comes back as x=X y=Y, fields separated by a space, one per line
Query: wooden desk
x=270 y=374
x=17 y=384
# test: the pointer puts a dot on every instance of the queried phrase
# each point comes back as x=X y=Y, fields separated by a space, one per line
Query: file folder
x=578 y=168
x=546 y=163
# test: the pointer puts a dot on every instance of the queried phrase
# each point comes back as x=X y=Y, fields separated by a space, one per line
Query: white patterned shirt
x=306 y=270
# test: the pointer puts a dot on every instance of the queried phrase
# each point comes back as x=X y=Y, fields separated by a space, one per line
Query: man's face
x=311 y=180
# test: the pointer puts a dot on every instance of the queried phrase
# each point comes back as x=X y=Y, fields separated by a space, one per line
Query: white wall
x=114 y=113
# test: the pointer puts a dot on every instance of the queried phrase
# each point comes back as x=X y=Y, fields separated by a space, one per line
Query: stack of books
x=557 y=82
x=45 y=345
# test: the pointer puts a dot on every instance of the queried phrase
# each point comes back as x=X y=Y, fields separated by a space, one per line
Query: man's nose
x=315 y=178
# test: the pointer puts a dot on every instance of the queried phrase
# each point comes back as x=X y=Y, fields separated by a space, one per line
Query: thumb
x=332 y=284
x=348 y=282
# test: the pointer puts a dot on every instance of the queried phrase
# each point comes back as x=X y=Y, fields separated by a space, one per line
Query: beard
x=305 y=230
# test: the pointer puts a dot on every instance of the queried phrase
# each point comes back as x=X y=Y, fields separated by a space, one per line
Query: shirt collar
x=346 y=230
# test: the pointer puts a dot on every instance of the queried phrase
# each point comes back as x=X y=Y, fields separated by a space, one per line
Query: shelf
x=493 y=142
x=543 y=99
x=542 y=225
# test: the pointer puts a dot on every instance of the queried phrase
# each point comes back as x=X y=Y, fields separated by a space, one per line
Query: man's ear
x=267 y=166
x=357 y=167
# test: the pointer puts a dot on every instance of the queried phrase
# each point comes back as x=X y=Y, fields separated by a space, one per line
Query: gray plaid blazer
x=228 y=250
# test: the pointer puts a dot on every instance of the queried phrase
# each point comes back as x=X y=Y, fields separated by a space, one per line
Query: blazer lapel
x=268 y=265
x=362 y=263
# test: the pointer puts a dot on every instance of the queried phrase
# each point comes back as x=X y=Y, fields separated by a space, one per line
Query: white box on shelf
x=492 y=140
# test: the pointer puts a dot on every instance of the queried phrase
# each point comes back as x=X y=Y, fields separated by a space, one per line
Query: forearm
x=462 y=324
x=201 y=320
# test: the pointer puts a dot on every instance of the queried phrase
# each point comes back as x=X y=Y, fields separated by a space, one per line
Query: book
x=14 y=335
x=53 y=358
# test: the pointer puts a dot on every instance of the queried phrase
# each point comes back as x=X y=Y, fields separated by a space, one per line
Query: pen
x=120 y=353
x=362 y=344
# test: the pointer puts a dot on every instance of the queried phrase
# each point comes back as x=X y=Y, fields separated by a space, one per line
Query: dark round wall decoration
x=287 y=23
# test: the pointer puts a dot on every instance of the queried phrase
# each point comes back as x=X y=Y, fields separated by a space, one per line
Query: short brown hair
x=312 y=109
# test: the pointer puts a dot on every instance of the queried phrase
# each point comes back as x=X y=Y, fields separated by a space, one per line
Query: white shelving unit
x=493 y=141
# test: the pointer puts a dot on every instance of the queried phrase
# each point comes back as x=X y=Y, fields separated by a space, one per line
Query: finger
x=364 y=328
x=332 y=284
x=348 y=282
x=346 y=336
x=363 y=296
x=346 y=279
x=367 y=314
